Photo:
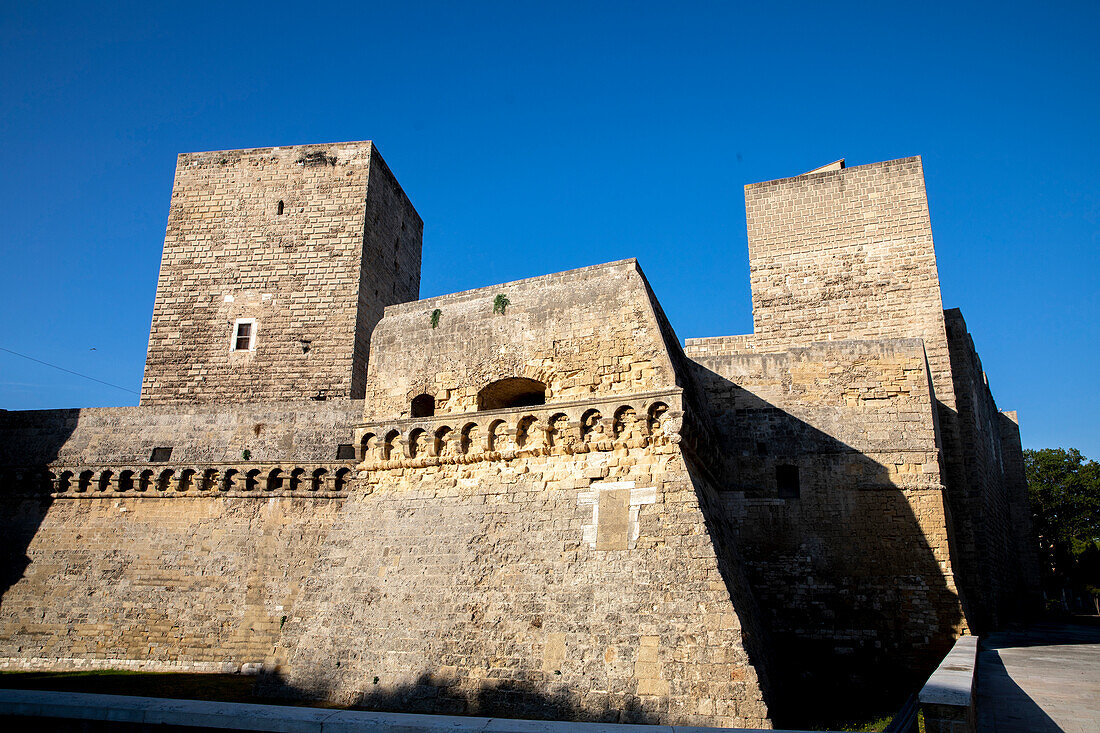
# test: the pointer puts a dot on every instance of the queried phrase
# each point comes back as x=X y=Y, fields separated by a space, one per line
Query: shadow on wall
x=29 y=442
x=851 y=595
x=438 y=694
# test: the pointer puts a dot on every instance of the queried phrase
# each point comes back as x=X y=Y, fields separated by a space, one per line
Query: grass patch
x=869 y=721
x=878 y=723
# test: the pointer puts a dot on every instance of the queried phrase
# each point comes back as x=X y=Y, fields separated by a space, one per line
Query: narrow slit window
x=244 y=335
x=279 y=209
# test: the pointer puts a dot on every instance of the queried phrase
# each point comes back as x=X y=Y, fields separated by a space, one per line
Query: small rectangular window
x=345 y=452
x=244 y=334
x=786 y=481
x=160 y=455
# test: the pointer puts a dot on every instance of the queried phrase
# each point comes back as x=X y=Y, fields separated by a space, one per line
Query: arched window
x=279 y=209
x=470 y=441
x=529 y=433
x=423 y=405
x=591 y=426
x=391 y=449
x=656 y=417
x=511 y=392
x=623 y=425
x=416 y=444
x=444 y=444
x=559 y=430
x=367 y=447
x=497 y=438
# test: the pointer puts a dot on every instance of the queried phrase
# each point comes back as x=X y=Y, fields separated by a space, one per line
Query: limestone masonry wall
x=1023 y=552
x=164 y=581
x=854 y=572
x=271 y=431
x=559 y=579
x=310 y=241
x=848 y=254
x=517 y=553
x=579 y=332
x=990 y=510
x=843 y=254
x=112 y=559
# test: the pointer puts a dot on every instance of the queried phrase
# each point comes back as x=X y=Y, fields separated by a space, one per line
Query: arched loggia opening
x=511 y=392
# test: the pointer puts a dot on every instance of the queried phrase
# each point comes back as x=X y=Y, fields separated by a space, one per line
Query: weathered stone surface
x=311 y=241
x=847 y=253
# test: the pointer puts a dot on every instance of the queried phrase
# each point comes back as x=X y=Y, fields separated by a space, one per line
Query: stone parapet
x=566 y=427
x=157 y=480
x=947 y=699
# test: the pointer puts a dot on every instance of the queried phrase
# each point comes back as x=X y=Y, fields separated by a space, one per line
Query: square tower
x=277 y=264
x=847 y=253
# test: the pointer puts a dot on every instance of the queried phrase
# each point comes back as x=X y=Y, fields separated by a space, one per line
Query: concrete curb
x=112 y=709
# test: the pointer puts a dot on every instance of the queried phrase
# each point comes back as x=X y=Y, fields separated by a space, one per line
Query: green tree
x=1064 y=489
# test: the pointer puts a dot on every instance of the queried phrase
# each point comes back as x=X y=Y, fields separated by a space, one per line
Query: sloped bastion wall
x=555 y=558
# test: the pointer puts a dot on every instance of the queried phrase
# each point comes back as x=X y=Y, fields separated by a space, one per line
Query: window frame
x=233 y=335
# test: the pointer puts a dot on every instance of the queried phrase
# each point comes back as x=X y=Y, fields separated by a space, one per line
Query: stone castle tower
x=277 y=264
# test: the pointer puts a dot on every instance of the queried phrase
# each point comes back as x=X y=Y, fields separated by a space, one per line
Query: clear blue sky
x=536 y=139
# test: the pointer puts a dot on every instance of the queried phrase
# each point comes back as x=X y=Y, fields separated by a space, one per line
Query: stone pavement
x=1043 y=679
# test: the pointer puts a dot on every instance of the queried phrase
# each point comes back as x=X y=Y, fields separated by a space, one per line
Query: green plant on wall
x=435 y=317
x=245 y=455
x=500 y=303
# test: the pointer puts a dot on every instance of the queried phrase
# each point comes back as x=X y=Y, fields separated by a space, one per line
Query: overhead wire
x=69 y=371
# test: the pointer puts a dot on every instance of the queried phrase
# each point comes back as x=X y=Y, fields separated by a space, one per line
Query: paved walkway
x=1041 y=680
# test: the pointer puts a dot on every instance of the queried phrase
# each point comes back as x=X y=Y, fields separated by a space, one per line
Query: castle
x=527 y=499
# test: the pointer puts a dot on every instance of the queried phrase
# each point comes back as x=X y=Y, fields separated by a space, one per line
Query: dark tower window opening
x=423 y=406
x=511 y=392
x=279 y=209
x=786 y=481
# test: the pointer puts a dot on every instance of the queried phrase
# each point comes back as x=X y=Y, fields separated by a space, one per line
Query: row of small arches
x=188 y=479
x=529 y=432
